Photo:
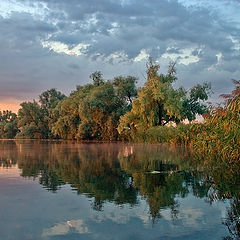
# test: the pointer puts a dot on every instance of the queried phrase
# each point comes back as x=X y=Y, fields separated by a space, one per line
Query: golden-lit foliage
x=219 y=136
x=159 y=103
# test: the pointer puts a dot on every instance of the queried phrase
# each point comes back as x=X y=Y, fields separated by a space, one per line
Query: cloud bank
x=58 y=43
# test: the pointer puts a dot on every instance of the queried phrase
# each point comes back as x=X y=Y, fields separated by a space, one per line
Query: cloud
x=143 y=55
x=42 y=42
x=64 y=228
x=59 y=47
x=183 y=56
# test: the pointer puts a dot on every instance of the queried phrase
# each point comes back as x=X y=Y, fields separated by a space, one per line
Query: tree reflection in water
x=121 y=173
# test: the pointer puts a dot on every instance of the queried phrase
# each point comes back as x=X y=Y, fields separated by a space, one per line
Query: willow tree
x=93 y=110
x=31 y=121
x=157 y=102
x=48 y=102
x=67 y=110
x=100 y=112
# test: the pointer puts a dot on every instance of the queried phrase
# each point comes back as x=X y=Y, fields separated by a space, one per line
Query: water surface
x=68 y=190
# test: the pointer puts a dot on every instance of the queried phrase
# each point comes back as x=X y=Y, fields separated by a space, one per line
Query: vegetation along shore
x=118 y=110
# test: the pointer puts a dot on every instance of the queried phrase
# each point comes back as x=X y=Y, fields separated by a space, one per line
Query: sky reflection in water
x=110 y=191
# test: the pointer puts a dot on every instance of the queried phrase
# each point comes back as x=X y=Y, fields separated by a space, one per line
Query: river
x=69 y=190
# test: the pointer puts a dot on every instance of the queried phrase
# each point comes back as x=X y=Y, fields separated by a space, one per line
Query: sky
x=57 y=43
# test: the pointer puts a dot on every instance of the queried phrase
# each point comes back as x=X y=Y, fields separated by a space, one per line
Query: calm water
x=66 y=190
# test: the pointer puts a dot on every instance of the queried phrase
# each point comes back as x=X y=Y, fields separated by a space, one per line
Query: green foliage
x=200 y=92
x=97 y=78
x=50 y=99
x=162 y=134
x=99 y=113
x=92 y=112
x=217 y=137
x=193 y=104
x=67 y=112
x=48 y=102
x=31 y=121
x=8 y=124
x=125 y=88
x=180 y=134
x=158 y=103
x=35 y=120
x=29 y=132
x=220 y=134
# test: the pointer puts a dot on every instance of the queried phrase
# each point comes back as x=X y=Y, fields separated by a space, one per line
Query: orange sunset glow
x=12 y=105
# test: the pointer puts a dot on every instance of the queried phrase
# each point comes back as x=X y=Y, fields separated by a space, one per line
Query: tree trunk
x=160 y=113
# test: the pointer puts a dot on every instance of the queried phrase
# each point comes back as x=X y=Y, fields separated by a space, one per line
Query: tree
x=125 y=88
x=50 y=98
x=31 y=121
x=48 y=103
x=93 y=110
x=35 y=120
x=97 y=78
x=194 y=103
x=99 y=113
x=8 y=124
x=158 y=102
x=68 y=120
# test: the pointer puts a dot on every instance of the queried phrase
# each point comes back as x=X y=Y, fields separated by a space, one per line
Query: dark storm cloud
x=19 y=51
x=112 y=27
x=22 y=31
x=148 y=22
x=139 y=25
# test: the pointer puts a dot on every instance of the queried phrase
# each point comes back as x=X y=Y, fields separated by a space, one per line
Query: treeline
x=107 y=110
x=118 y=110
